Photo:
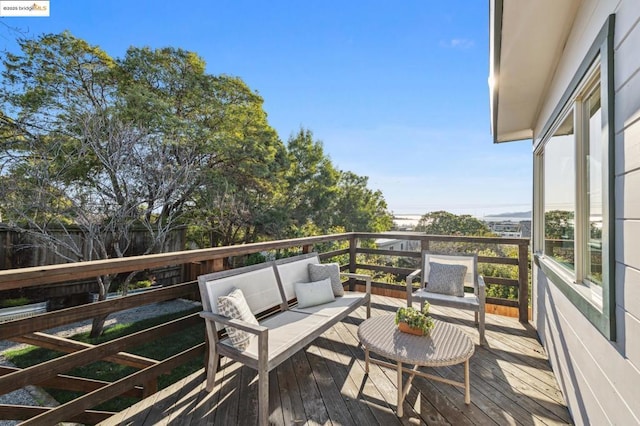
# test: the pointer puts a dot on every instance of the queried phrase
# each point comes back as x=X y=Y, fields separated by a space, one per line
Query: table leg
x=467 y=386
x=400 y=392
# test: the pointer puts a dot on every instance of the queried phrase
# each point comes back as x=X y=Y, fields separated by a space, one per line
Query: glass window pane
x=594 y=200
x=559 y=194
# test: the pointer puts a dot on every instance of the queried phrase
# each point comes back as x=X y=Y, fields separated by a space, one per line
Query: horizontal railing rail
x=356 y=248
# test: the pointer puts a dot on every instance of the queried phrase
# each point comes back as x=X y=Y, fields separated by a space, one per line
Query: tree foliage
x=311 y=183
x=317 y=193
x=359 y=208
x=445 y=223
x=152 y=140
x=559 y=225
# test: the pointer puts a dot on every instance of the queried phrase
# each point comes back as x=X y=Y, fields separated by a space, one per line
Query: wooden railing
x=143 y=382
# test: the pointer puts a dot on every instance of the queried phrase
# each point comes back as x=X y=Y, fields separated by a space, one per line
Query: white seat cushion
x=285 y=329
x=335 y=308
x=468 y=301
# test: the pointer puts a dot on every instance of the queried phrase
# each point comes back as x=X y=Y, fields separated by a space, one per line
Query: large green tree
x=358 y=208
x=240 y=155
x=445 y=223
x=320 y=198
x=310 y=184
x=107 y=145
x=152 y=140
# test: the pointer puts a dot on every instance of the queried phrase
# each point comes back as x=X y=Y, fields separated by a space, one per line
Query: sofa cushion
x=320 y=271
x=314 y=293
x=286 y=330
x=347 y=303
x=235 y=306
x=446 y=279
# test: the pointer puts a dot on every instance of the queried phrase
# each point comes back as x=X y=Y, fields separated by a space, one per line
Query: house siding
x=599 y=377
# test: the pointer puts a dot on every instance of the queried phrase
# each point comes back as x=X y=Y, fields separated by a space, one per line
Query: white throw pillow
x=446 y=279
x=314 y=293
x=320 y=271
x=234 y=305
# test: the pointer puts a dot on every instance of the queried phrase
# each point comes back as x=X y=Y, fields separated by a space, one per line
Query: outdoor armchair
x=450 y=275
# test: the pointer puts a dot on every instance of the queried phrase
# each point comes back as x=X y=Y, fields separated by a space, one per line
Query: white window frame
x=596 y=302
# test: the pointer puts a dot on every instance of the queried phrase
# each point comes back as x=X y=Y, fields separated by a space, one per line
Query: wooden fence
x=21 y=249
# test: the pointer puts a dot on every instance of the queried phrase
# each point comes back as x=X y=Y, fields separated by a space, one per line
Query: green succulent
x=415 y=318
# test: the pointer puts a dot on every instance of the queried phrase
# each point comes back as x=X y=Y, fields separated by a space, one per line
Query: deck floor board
x=325 y=383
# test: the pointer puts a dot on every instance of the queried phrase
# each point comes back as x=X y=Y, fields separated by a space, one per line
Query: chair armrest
x=366 y=278
x=410 y=279
x=239 y=324
x=482 y=290
x=412 y=276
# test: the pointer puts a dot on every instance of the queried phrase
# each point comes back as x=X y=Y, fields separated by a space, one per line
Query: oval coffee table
x=446 y=345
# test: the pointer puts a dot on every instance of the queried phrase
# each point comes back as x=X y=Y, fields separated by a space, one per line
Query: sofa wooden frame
x=284 y=330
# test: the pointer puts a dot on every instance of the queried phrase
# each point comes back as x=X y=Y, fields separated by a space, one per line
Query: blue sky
x=396 y=91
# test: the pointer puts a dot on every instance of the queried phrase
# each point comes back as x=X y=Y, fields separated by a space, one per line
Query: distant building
x=405 y=222
x=397 y=244
x=511 y=229
x=525 y=227
x=505 y=229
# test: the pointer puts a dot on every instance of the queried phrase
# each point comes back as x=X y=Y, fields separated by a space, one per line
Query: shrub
x=10 y=303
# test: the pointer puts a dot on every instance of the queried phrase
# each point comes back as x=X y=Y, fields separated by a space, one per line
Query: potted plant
x=413 y=321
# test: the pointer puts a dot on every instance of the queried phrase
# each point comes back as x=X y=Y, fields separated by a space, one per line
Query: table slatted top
x=446 y=345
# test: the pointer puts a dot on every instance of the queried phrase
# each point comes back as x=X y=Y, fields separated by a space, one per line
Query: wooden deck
x=511 y=383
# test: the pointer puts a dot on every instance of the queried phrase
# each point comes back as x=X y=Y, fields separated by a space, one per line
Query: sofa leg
x=213 y=364
x=263 y=397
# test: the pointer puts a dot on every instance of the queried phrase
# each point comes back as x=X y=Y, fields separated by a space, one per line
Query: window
x=574 y=189
x=593 y=169
x=559 y=194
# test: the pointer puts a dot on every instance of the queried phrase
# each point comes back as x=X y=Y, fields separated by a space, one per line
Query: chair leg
x=481 y=326
x=476 y=316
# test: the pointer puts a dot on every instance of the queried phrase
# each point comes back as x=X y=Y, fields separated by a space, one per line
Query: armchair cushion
x=314 y=293
x=446 y=279
x=321 y=271
x=234 y=305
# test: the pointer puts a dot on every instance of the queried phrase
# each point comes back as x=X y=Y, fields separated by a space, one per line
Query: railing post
x=307 y=248
x=352 y=261
x=215 y=265
x=150 y=388
x=523 y=278
x=424 y=243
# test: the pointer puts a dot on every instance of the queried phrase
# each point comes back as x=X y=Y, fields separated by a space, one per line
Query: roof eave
x=522 y=61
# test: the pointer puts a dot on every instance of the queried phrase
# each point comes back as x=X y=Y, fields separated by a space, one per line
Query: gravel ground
x=32 y=395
